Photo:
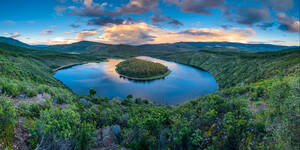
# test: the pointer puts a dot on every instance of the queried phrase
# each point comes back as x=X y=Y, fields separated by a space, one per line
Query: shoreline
x=70 y=65
x=148 y=78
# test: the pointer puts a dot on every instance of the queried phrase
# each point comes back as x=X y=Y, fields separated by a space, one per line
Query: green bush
x=8 y=117
x=59 y=129
x=12 y=89
x=31 y=92
x=33 y=110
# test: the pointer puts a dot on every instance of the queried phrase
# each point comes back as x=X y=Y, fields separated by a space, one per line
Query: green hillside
x=257 y=106
x=15 y=42
x=235 y=68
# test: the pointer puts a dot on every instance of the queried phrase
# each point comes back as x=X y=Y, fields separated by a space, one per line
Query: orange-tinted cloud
x=142 y=33
x=80 y=36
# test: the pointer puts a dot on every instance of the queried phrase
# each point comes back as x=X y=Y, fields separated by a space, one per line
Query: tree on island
x=92 y=92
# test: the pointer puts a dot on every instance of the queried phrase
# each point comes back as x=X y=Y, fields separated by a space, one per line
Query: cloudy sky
x=151 y=21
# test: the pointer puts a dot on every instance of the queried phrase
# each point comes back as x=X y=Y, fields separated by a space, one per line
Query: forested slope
x=234 y=68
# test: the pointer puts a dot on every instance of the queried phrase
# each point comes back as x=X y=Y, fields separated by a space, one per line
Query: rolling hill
x=15 y=42
x=96 y=48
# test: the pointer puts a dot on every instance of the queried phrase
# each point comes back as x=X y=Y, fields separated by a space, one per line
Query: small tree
x=129 y=97
x=92 y=92
x=8 y=117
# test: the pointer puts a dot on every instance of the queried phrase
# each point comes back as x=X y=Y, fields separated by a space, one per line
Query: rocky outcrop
x=109 y=138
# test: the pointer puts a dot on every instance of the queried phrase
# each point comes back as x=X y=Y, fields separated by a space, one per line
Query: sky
x=137 y=22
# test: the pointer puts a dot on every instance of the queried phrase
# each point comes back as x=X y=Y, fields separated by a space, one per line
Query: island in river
x=138 y=69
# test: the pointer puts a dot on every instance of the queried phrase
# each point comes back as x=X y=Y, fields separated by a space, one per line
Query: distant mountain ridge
x=88 y=46
x=14 y=42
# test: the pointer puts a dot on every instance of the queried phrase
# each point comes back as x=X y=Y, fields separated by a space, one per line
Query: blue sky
x=151 y=21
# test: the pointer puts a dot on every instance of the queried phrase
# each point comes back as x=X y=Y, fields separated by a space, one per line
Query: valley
x=256 y=103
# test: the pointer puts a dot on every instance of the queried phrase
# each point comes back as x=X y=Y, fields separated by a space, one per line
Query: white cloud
x=13 y=35
x=9 y=22
x=47 y=31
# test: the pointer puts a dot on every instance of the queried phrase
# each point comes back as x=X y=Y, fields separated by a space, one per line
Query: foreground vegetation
x=138 y=69
x=257 y=106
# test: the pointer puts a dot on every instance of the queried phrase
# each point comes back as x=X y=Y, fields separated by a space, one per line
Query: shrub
x=30 y=92
x=7 y=122
x=33 y=110
x=58 y=129
x=12 y=89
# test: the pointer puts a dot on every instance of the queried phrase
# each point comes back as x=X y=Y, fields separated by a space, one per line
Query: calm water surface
x=184 y=83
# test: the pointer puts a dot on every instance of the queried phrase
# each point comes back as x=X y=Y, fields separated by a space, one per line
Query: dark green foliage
x=92 y=92
x=137 y=68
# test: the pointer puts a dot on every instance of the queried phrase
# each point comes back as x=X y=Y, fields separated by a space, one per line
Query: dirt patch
x=257 y=106
x=40 y=98
x=20 y=136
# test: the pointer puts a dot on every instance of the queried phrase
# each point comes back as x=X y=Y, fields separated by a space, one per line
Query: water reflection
x=183 y=83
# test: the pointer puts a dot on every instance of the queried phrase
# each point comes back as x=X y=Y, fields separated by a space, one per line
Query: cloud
x=288 y=23
x=31 y=22
x=88 y=3
x=127 y=34
x=249 y=15
x=60 y=9
x=104 y=20
x=198 y=6
x=138 y=7
x=13 y=35
x=226 y=26
x=72 y=7
x=205 y=35
x=196 y=32
x=83 y=35
x=159 y=18
x=74 y=25
x=60 y=40
x=142 y=33
x=47 y=31
x=61 y=1
x=265 y=26
x=69 y=32
x=95 y=10
x=279 y=5
x=11 y=22
x=92 y=9
x=53 y=26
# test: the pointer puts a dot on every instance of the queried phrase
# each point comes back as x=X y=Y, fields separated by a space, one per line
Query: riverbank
x=148 y=78
x=72 y=65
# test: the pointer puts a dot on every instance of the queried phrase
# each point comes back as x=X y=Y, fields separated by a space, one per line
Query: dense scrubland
x=256 y=107
x=138 y=69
